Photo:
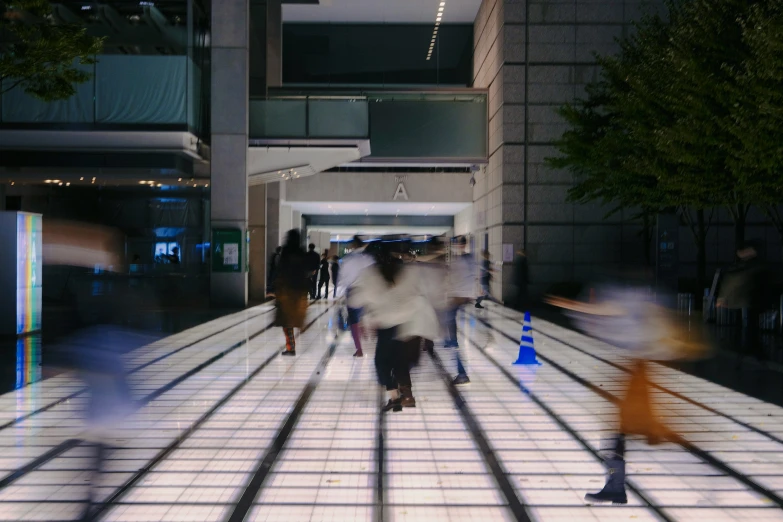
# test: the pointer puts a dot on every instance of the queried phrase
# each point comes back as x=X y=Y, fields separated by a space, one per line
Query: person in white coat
x=390 y=294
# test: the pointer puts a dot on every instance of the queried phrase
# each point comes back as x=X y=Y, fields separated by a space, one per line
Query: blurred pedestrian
x=624 y=316
x=335 y=267
x=390 y=293
x=312 y=262
x=353 y=265
x=323 y=278
x=291 y=287
x=460 y=291
x=750 y=297
x=485 y=279
x=274 y=261
x=521 y=281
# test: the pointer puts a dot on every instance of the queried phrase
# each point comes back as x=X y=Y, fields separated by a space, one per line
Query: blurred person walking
x=312 y=262
x=390 y=293
x=750 y=297
x=323 y=276
x=460 y=291
x=485 y=279
x=353 y=266
x=520 y=281
x=291 y=287
x=335 y=267
x=625 y=317
x=274 y=261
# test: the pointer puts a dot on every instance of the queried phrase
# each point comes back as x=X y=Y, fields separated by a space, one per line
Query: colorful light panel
x=28 y=273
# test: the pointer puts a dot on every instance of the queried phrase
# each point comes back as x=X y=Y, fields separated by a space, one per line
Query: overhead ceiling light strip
x=438 y=19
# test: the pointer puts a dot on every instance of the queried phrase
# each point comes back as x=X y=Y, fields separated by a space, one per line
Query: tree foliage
x=39 y=56
x=688 y=115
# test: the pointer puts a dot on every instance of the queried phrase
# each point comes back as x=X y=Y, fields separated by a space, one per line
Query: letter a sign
x=400 y=193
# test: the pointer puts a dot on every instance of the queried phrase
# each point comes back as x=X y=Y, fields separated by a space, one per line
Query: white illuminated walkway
x=231 y=431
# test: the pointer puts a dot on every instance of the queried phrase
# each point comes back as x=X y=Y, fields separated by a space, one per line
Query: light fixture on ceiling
x=81 y=179
x=438 y=18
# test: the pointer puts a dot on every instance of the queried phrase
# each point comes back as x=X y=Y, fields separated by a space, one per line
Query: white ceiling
x=389 y=11
x=378 y=209
x=346 y=232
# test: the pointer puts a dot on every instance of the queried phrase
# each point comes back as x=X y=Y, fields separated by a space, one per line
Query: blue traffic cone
x=527 y=351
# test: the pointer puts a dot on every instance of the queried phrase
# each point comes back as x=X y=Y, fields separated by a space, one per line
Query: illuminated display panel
x=28 y=273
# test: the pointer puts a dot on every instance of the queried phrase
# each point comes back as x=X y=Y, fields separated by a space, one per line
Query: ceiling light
x=81 y=179
x=67 y=184
x=206 y=185
x=438 y=18
x=142 y=182
x=442 y=4
x=437 y=24
x=60 y=184
x=440 y=9
x=12 y=183
x=159 y=185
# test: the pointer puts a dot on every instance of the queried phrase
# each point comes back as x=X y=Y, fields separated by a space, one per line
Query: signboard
x=227 y=250
x=508 y=252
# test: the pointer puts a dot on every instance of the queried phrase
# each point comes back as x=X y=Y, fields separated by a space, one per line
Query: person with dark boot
x=323 y=279
x=291 y=286
x=313 y=261
x=390 y=295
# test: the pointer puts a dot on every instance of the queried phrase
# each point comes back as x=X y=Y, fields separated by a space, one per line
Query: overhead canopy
x=269 y=164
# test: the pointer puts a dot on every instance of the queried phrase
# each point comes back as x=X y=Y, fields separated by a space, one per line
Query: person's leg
x=451 y=342
x=326 y=294
x=290 y=341
x=384 y=367
x=614 y=490
x=313 y=285
x=354 y=316
x=407 y=354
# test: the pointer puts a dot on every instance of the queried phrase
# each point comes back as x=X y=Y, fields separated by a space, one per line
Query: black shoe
x=393 y=405
x=288 y=352
x=614 y=490
x=478 y=305
x=460 y=379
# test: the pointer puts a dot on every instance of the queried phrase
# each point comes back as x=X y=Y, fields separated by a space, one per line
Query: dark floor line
x=265 y=465
x=518 y=509
x=53 y=453
x=380 y=505
x=705 y=456
x=189 y=345
x=564 y=425
x=660 y=387
x=165 y=452
x=39 y=461
x=84 y=390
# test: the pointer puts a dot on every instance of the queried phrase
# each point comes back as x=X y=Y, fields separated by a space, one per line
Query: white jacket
x=402 y=305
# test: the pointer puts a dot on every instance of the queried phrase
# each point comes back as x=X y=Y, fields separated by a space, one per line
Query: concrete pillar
x=258 y=252
x=230 y=101
x=533 y=57
x=274 y=43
